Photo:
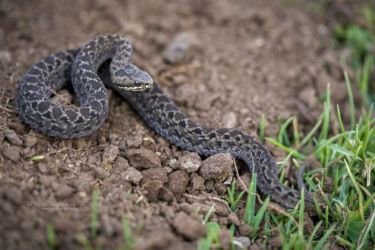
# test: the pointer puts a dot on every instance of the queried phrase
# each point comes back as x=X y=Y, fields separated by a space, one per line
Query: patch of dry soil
x=249 y=58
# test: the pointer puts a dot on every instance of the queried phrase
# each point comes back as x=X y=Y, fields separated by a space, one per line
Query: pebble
x=217 y=167
x=244 y=241
x=230 y=120
x=132 y=175
x=189 y=162
x=121 y=164
x=180 y=48
x=30 y=139
x=42 y=167
x=188 y=227
x=5 y=57
x=178 y=181
x=13 y=138
x=110 y=153
x=12 y=153
x=143 y=158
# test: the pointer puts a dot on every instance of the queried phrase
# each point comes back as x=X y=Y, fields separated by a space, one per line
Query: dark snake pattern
x=156 y=109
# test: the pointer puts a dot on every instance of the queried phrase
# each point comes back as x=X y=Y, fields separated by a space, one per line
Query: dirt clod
x=132 y=175
x=178 y=181
x=12 y=153
x=189 y=162
x=13 y=138
x=217 y=167
x=188 y=227
x=143 y=158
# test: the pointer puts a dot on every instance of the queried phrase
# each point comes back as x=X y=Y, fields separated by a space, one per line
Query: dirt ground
x=245 y=59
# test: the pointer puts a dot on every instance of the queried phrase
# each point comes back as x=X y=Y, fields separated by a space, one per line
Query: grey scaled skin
x=145 y=96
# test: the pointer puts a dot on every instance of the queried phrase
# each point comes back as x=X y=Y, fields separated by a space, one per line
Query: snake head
x=131 y=78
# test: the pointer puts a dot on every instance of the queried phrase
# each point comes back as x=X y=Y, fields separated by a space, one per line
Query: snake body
x=157 y=109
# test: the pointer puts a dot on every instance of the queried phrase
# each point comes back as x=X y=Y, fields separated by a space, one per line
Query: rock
x=12 y=153
x=30 y=139
x=244 y=241
x=110 y=153
x=13 y=138
x=134 y=142
x=143 y=158
x=120 y=165
x=132 y=175
x=217 y=167
x=187 y=227
x=230 y=120
x=189 y=162
x=5 y=57
x=181 y=48
x=42 y=167
x=178 y=181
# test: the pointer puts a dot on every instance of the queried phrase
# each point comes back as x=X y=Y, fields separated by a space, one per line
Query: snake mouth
x=139 y=88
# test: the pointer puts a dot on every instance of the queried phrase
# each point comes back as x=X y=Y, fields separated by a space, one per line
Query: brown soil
x=250 y=58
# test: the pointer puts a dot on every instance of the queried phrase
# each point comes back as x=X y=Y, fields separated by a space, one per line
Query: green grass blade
x=250 y=202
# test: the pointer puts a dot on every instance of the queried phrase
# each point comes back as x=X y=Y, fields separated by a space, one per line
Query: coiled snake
x=137 y=87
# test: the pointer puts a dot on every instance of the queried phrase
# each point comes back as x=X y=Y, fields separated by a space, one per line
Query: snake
x=81 y=68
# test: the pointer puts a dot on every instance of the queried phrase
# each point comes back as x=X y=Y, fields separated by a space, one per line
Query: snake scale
x=81 y=66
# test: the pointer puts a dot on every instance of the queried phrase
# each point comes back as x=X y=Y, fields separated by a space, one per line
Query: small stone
x=178 y=181
x=30 y=139
x=42 y=167
x=143 y=158
x=14 y=194
x=189 y=162
x=132 y=175
x=173 y=163
x=188 y=227
x=5 y=57
x=121 y=164
x=217 y=167
x=244 y=241
x=134 y=142
x=12 y=153
x=13 y=138
x=180 y=48
x=64 y=191
x=101 y=173
x=110 y=153
x=230 y=120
